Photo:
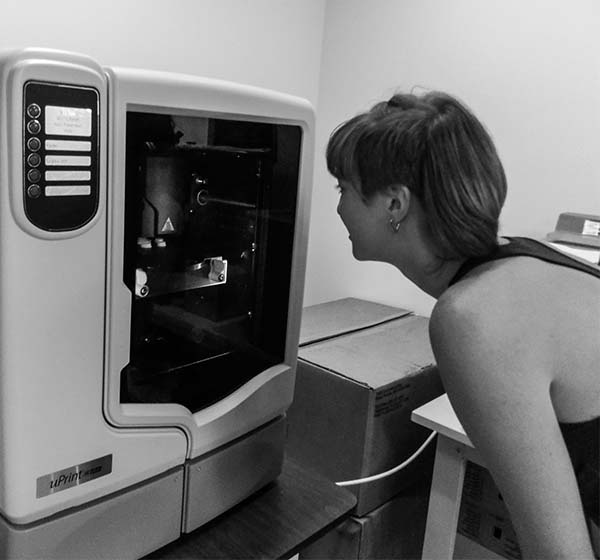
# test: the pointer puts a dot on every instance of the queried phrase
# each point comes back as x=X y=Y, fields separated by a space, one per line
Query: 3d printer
x=153 y=247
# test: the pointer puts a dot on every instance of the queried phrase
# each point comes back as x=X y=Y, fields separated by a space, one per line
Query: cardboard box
x=395 y=529
x=484 y=521
x=362 y=369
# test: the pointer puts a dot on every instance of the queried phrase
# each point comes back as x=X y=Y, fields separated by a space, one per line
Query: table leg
x=444 y=500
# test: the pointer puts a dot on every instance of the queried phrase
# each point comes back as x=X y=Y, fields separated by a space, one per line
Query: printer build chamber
x=210 y=208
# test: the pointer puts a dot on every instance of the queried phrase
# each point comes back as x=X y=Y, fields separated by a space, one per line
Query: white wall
x=267 y=43
x=530 y=69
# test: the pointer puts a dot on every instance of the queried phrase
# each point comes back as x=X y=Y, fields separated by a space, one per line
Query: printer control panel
x=60 y=155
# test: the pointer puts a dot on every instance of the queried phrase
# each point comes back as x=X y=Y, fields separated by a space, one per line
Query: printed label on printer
x=591 y=227
x=68 y=121
x=73 y=476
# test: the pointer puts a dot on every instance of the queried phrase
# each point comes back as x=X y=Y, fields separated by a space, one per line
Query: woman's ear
x=398 y=202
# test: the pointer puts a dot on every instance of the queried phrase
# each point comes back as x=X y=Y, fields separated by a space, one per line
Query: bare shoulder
x=502 y=292
x=487 y=300
x=521 y=297
x=488 y=358
x=522 y=326
x=487 y=323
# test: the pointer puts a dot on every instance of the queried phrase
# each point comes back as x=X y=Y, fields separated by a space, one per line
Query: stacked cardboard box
x=393 y=530
x=362 y=368
x=484 y=520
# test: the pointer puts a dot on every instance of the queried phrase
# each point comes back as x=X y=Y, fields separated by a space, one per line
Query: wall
x=267 y=43
x=529 y=69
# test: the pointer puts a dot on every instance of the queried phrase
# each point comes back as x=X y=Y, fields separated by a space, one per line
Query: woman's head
x=436 y=147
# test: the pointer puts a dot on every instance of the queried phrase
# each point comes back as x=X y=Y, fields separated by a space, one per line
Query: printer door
x=209 y=226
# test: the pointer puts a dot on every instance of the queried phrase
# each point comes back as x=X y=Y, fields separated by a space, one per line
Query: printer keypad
x=33 y=144
x=61 y=151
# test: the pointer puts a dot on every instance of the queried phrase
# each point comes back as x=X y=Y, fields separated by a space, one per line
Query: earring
x=394 y=225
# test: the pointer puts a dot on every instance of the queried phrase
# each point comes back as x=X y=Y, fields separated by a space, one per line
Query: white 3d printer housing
x=83 y=470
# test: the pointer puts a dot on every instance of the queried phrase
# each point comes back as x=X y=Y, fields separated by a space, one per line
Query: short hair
x=435 y=146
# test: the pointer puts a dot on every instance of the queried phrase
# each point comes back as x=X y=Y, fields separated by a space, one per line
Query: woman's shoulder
x=496 y=304
x=517 y=287
x=479 y=293
x=510 y=282
x=485 y=333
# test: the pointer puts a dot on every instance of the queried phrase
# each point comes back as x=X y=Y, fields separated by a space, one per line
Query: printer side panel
x=56 y=449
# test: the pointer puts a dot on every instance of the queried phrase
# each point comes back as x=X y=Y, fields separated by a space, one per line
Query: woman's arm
x=490 y=366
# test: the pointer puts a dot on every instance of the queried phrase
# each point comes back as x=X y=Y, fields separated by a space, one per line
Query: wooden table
x=277 y=522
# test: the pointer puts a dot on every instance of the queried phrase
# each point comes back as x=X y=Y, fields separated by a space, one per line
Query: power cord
x=394 y=469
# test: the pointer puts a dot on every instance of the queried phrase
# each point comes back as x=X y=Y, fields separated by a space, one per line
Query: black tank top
x=525 y=247
x=581 y=438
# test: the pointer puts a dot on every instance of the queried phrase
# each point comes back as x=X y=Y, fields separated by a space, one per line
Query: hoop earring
x=394 y=225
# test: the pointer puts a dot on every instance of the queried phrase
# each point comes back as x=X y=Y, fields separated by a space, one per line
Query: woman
x=516 y=326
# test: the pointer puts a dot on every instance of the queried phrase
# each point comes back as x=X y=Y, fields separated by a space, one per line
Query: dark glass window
x=209 y=227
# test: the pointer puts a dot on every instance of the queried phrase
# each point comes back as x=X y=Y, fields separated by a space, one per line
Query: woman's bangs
x=341 y=151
